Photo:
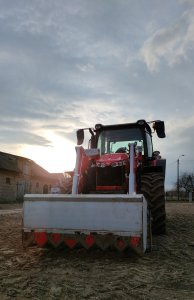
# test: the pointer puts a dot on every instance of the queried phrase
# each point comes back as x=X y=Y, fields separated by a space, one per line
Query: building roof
x=8 y=162
x=38 y=171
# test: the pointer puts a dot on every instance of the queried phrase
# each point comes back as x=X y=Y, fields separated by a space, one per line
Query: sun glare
x=57 y=158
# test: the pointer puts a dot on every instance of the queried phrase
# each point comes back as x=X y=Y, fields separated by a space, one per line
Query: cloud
x=171 y=44
x=23 y=138
x=66 y=65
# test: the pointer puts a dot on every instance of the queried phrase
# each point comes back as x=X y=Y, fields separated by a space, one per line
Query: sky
x=69 y=64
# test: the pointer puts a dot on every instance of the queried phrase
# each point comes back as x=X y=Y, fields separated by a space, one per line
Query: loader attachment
x=105 y=221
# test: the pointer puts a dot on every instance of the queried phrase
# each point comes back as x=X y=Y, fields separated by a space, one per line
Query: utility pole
x=178 y=185
x=178 y=179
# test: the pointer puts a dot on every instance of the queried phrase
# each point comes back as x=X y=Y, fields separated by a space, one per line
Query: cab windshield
x=118 y=140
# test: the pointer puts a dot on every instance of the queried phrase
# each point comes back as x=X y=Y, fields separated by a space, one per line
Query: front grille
x=110 y=176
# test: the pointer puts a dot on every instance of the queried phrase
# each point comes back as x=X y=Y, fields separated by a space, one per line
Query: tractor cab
x=117 y=138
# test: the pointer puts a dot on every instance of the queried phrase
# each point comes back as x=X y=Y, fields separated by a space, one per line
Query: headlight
x=141 y=122
x=100 y=165
x=118 y=164
x=98 y=126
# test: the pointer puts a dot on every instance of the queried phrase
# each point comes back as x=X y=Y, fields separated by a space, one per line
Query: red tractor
x=117 y=193
x=105 y=166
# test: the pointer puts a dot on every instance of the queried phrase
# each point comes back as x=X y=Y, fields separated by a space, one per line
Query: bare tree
x=186 y=182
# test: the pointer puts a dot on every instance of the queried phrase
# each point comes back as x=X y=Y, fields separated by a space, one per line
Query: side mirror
x=160 y=129
x=80 y=136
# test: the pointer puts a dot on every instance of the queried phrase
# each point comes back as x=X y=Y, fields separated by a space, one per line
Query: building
x=20 y=175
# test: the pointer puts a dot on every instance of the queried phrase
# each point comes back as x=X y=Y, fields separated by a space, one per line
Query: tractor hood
x=114 y=160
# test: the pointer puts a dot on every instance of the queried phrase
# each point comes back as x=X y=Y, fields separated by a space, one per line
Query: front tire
x=152 y=187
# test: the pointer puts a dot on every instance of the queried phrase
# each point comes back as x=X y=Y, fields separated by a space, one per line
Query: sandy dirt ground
x=165 y=273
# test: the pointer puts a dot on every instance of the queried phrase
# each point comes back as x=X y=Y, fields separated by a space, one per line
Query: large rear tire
x=152 y=187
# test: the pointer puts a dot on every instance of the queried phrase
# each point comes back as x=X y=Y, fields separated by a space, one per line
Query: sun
x=60 y=156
